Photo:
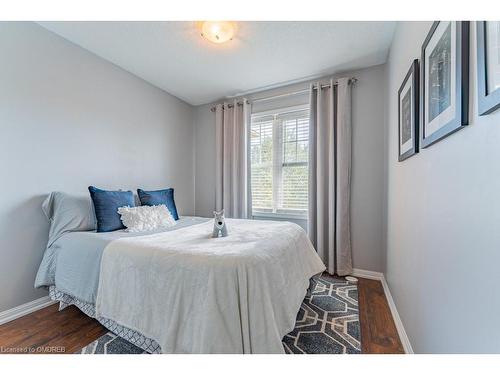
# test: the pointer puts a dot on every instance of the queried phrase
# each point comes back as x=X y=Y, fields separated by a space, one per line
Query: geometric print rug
x=327 y=323
x=328 y=320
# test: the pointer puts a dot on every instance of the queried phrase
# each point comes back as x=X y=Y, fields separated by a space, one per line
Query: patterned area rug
x=327 y=323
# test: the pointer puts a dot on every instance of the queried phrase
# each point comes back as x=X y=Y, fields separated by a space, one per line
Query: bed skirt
x=136 y=338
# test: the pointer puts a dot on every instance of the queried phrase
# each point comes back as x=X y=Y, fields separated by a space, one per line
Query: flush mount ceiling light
x=218 y=31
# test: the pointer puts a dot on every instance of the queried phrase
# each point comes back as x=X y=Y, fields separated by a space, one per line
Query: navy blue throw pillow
x=157 y=197
x=106 y=204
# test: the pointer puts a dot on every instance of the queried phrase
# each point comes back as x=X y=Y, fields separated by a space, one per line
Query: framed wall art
x=408 y=116
x=488 y=66
x=444 y=81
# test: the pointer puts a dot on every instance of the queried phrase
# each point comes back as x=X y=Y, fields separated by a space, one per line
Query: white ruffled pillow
x=146 y=218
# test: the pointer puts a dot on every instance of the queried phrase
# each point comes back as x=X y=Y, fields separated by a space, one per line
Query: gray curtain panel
x=231 y=187
x=330 y=174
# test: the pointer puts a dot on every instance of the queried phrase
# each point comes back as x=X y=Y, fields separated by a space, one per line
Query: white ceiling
x=174 y=57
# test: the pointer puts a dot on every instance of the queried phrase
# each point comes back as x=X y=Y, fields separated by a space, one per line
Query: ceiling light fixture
x=217 y=31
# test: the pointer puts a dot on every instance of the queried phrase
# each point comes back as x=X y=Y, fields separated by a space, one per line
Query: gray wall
x=443 y=217
x=69 y=119
x=367 y=201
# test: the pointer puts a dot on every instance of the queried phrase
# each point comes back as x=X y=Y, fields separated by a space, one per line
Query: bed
x=181 y=291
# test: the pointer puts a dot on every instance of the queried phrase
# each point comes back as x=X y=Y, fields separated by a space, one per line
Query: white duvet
x=196 y=294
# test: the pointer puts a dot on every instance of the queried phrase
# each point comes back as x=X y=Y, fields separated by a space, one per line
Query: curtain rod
x=352 y=80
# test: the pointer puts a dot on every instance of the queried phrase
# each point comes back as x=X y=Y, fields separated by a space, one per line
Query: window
x=279 y=152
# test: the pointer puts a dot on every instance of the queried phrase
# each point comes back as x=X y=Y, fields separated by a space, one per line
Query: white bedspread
x=197 y=294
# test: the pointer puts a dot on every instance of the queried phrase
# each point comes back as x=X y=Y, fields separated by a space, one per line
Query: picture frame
x=408 y=113
x=488 y=66
x=444 y=76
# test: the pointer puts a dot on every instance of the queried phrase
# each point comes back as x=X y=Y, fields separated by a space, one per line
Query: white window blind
x=261 y=149
x=279 y=147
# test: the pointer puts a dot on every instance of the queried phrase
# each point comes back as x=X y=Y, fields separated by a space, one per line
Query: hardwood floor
x=378 y=331
x=69 y=330
x=48 y=329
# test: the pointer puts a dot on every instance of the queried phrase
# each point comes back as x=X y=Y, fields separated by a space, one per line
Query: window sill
x=279 y=215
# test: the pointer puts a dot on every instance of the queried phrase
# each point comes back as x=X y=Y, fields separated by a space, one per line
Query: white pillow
x=146 y=218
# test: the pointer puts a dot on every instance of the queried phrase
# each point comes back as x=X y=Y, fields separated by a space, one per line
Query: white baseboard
x=25 y=309
x=397 y=319
x=372 y=275
x=395 y=315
